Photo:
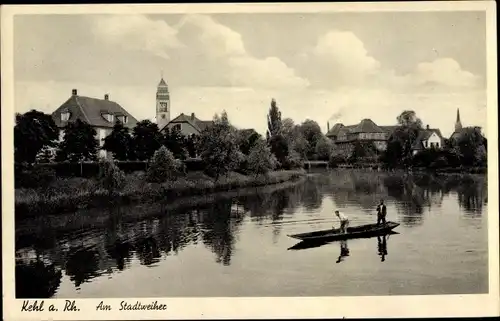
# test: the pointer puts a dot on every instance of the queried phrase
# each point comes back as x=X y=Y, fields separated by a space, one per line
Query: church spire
x=458 y=124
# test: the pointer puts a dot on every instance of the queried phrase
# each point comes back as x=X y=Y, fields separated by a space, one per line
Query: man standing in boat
x=381 y=213
x=344 y=221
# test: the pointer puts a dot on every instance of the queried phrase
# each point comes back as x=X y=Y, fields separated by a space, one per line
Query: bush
x=163 y=166
x=111 y=178
x=293 y=161
x=261 y=160
x=33 y=177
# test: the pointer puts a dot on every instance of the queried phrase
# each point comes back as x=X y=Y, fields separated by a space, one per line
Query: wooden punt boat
x=361 y=231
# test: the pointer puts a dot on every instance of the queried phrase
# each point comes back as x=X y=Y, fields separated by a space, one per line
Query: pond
x=239 y=245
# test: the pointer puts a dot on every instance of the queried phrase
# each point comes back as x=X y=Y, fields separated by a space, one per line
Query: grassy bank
x=72 y=194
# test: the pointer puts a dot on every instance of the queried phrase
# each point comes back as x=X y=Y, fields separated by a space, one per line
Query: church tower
x=162 y=104
x=458 y=124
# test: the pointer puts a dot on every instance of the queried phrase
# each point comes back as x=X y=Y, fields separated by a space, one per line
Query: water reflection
x=344 y=251
x=382 y=247
x=114 y=246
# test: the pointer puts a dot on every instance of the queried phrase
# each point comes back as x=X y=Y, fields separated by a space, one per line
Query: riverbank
x=72 y=194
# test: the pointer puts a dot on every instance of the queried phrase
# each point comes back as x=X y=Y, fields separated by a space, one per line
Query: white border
x=306 y=307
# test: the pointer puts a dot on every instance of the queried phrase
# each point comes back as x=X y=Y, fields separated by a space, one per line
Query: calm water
x=238 y=246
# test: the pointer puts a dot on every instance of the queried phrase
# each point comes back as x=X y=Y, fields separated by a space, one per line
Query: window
x=65 y=116
x=177 y=127
x=125 y=119
x=432 y=145
x=110 y=118
x=426 y=144
x=163 y=116
x=437 y=144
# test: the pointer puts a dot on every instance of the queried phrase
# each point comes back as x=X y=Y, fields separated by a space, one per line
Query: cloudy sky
x=337 y=67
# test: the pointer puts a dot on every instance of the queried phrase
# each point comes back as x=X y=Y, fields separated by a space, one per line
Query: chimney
x=327 y=126
x=427 y=127
x=192 y=116
x=74 y=92
x=106 y=97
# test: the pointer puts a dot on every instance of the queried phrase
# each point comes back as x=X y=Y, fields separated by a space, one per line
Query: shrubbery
x=163 y=166
x=111 y=178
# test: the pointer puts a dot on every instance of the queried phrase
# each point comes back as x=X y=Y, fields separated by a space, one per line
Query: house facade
x=101 y=114
x=428 y=138
x=344 y=137
x=187 y=125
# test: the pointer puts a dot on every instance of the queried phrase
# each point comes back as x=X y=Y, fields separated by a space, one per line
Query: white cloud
x=444 y=71
x=342 y=57
x=136 y=32
x=225 y=47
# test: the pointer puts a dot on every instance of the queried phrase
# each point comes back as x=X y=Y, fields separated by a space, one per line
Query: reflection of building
x=101 y=114
x=366 y=131
x=427 y=139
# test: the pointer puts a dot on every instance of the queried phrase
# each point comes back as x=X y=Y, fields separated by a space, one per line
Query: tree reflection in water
x=217 y=225
x=82 y=265
x=36 y=279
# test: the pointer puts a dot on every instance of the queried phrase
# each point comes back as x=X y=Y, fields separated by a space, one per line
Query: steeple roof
x=162 y=83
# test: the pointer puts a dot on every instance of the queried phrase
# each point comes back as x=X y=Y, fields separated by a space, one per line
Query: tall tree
x=119 y=142
x=79 y=143
x=33 y=131
x=273 y=120
x=323 y=148
x=311 y=131
x=399 y=150
x=146 y=139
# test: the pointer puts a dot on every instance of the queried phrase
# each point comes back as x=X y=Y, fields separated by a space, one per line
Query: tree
x=119 y=142
x=175 y=142
x=362 y=150
x=111 y=177
x=273 y=120
x=33 y=131
x=312 y=134
x=399 y=152
x=79 y=143
x=294 y=137
x=471 y=146
x=146 y=139
x=163 y=166
x=218 y=147
x=323 y=149
x=247 y=139
x=279 y=147
x=191 y=143
x=260 y=159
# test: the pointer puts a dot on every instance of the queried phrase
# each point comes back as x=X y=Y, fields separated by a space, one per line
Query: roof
x=91 y=111
x=334 y=131
x=389 y=129
x=198 y=124
x=162 y=83
x=367 y=126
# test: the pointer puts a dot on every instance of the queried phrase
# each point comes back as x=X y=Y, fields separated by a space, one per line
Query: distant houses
x=101 y=114
x=344 y=137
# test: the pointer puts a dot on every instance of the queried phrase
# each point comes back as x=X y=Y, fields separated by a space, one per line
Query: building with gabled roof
x=365 y=131
x=428 y=138
x=188 y=125
x=101 y=114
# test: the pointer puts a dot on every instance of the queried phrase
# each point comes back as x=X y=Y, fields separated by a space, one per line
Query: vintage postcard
x=305 y=160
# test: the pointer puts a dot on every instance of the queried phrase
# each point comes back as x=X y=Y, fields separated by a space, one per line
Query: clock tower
x=162 y=104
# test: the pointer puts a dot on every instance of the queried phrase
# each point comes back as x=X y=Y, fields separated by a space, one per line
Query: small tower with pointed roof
x=162 y=104
x=458 y=123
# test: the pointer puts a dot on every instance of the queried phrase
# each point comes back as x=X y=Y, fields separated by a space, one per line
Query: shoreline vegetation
x=64 y=195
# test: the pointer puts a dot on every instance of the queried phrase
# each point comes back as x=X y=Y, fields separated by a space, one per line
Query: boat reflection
x=344 y=251
x=382 y=244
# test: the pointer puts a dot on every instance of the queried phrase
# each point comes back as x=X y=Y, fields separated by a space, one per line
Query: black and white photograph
x=266 y=153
